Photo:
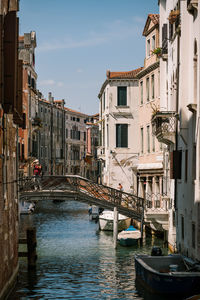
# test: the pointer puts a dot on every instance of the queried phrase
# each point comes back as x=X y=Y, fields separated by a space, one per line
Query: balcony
x=37 y=122
x=192 y=6
x=101 y=152
x=164 y=126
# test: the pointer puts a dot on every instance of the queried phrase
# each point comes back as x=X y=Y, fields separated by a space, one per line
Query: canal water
x=75 y=259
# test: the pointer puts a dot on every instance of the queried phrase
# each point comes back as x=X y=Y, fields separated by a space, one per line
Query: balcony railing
x=164 y=126
x=192 y=6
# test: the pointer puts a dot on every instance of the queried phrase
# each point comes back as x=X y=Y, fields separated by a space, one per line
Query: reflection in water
x=75 y=259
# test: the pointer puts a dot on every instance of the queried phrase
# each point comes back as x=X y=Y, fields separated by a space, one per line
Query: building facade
x=92 y=137
x=150 y=169
x=176 y=124
x=119 y=147
x=63 y=139
x=28 y=135
x=10 y=119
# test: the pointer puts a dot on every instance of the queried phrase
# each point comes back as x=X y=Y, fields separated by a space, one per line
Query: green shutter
x=122 y=95
x=122 y=135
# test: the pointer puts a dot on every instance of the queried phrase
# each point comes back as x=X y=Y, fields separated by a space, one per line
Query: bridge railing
x=83 y=187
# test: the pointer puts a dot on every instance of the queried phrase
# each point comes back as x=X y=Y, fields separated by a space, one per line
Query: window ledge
x=122 y=106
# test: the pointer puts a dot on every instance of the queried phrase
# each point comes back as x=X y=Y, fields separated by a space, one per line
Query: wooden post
x=31 y=246
x=115 y=227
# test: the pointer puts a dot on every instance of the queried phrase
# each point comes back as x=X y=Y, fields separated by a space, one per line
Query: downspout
x=51 y=139
x=177 y=107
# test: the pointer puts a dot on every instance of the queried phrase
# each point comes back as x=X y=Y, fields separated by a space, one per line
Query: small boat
x=26 y=207
x=106 y=221
x=93 y=212
x=129 y=236
x=168 y=275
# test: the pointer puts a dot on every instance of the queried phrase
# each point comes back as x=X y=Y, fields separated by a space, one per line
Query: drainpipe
x=177 y=107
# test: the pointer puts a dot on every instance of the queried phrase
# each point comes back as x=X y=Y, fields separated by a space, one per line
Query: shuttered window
x=122 y=135
x=164 y=39
x=147 y=88
x=121 y=95
x=152 y=87
x=141 y=92
x=10 y=61
x=175 y=164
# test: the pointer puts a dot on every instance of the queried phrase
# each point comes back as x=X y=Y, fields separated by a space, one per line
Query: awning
x=150 y=166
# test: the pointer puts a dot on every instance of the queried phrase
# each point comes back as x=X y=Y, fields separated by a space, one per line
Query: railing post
x=142 y=222
x=31 y=247
x=115 y=227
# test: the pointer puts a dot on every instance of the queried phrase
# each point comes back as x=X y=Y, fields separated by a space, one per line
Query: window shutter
x=124 y=135
x=10 y=61
x=1 y=75
x=122 y=96
x=175 y=164
x=164 y=39
x=18 y=111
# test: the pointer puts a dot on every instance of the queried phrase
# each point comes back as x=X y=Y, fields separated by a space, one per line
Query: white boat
x=106 y=221
x=93 y=212
x=26 y=207
x=129 y=236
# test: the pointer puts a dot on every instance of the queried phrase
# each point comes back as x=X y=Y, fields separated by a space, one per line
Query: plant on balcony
x=155 y=109
x=173 y=16
x=37 y=122
x=157 y=51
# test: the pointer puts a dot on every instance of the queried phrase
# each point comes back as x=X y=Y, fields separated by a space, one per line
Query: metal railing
x=84 y=190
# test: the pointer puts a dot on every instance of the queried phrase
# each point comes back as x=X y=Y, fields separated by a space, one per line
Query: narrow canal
x=75 y=259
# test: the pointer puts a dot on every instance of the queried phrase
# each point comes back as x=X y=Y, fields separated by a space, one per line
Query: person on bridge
x=120 y=187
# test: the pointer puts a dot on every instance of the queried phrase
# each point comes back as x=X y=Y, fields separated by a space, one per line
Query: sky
x=79 y=40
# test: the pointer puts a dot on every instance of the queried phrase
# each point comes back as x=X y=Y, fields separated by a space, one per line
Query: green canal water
x=76 y=260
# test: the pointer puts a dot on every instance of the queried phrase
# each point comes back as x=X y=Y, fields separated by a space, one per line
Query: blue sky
x=78 y=40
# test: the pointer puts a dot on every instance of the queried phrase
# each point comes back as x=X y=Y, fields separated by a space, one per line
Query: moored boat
x=168 y=275
x=93 y=212
x=129 y=236
x=106 y=221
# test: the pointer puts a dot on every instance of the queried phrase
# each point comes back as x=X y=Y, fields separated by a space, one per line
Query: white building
x=177 y=122
x=119 y=137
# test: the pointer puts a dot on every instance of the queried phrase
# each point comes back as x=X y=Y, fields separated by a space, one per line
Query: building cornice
x=148 y=70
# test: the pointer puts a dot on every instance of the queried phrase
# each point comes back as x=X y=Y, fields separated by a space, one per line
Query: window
x=107 y=135
x=141 y=92
x=152 y=87
x=186 y=164
x=148 y=47
x=147 y=88
x=193 y=236
x=142 y=140
x=84 y=136
x=153 y=142
x=66 y=133
x=122 y=135
x=104 y=101
x=153 y=43
x=182 y=227
x=148 y=138
x=121 y=95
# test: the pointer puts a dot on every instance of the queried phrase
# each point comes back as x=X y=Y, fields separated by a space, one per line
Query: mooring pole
x=115 y=227
x=31 y=246
x=142 y=223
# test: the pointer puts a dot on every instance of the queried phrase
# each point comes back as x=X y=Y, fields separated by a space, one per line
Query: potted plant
x=157 y=51
x=173 y=16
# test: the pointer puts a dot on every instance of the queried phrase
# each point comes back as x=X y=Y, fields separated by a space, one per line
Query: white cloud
x=51 y=82
x=116 y=30
x=139 y=19
x=47 y=82
x=60 y=83
x=79 y=71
